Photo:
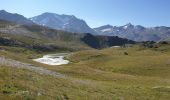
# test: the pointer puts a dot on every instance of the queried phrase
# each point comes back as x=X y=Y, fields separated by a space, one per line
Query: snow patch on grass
x=53 y=59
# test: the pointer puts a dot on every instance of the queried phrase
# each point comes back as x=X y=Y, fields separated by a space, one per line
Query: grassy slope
x=40 y=36
x=94 y=74
x=45 y=39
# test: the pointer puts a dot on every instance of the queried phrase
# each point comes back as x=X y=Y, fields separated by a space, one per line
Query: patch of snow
x=66 y=24
x=115 y=47
x=33 y=19
x=52 y=59
x=125 y=27
x=43 y=24
x=106 y=30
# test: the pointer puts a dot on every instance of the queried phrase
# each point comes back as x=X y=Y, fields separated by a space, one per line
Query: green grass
x=108 y=74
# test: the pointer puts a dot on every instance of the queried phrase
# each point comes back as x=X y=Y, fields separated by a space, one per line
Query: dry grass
x=109 y=74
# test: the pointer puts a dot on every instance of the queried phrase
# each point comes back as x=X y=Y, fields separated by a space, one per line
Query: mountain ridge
x=135 y=32
x=14 y=17
x=43 y=38
x=71 y=23
x=64 y=22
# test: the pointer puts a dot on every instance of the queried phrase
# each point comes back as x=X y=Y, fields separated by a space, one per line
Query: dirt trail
x=40 y=70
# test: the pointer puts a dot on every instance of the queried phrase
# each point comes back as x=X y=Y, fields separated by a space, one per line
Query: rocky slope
x=15 y=18
x=63 y=22
x=46 y=39
x=135 y=32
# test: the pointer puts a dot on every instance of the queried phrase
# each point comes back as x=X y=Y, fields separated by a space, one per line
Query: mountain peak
x=105 y=26
x=108 y=25
x=50 y=13
x=128 y=25
x=3 y=11
x=47 y=13
x=14 y=17
x=64 y=22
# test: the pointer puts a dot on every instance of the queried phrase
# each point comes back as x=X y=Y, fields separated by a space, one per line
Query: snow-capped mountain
x=72 y=24
x=14 y=18
x=135 y=32
x=62 y=22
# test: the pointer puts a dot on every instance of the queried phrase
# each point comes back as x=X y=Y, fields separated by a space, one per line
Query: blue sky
x=98 y=12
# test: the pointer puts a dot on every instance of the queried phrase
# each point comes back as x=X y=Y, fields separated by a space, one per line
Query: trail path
x=18 y=64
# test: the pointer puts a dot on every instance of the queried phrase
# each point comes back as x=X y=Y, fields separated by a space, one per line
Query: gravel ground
x=40 y=70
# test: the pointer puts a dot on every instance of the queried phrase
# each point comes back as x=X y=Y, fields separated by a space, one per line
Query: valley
x=93 y=74
x=41 y=62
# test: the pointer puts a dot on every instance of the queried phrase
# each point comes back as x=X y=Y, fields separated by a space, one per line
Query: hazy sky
x=97 y=12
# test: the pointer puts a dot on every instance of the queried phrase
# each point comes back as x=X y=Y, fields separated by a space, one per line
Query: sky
x=96 y=13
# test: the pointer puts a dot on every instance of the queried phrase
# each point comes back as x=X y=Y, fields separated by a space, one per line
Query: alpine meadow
x=84 y=50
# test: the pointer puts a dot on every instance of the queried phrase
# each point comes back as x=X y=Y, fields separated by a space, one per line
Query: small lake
x=53 y=59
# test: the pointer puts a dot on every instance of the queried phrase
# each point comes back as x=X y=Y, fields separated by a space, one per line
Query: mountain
x=104 y=41
x=72 y=24
x=43 y=38
x=14 y=18
x=135 y=32
x=62 y=22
